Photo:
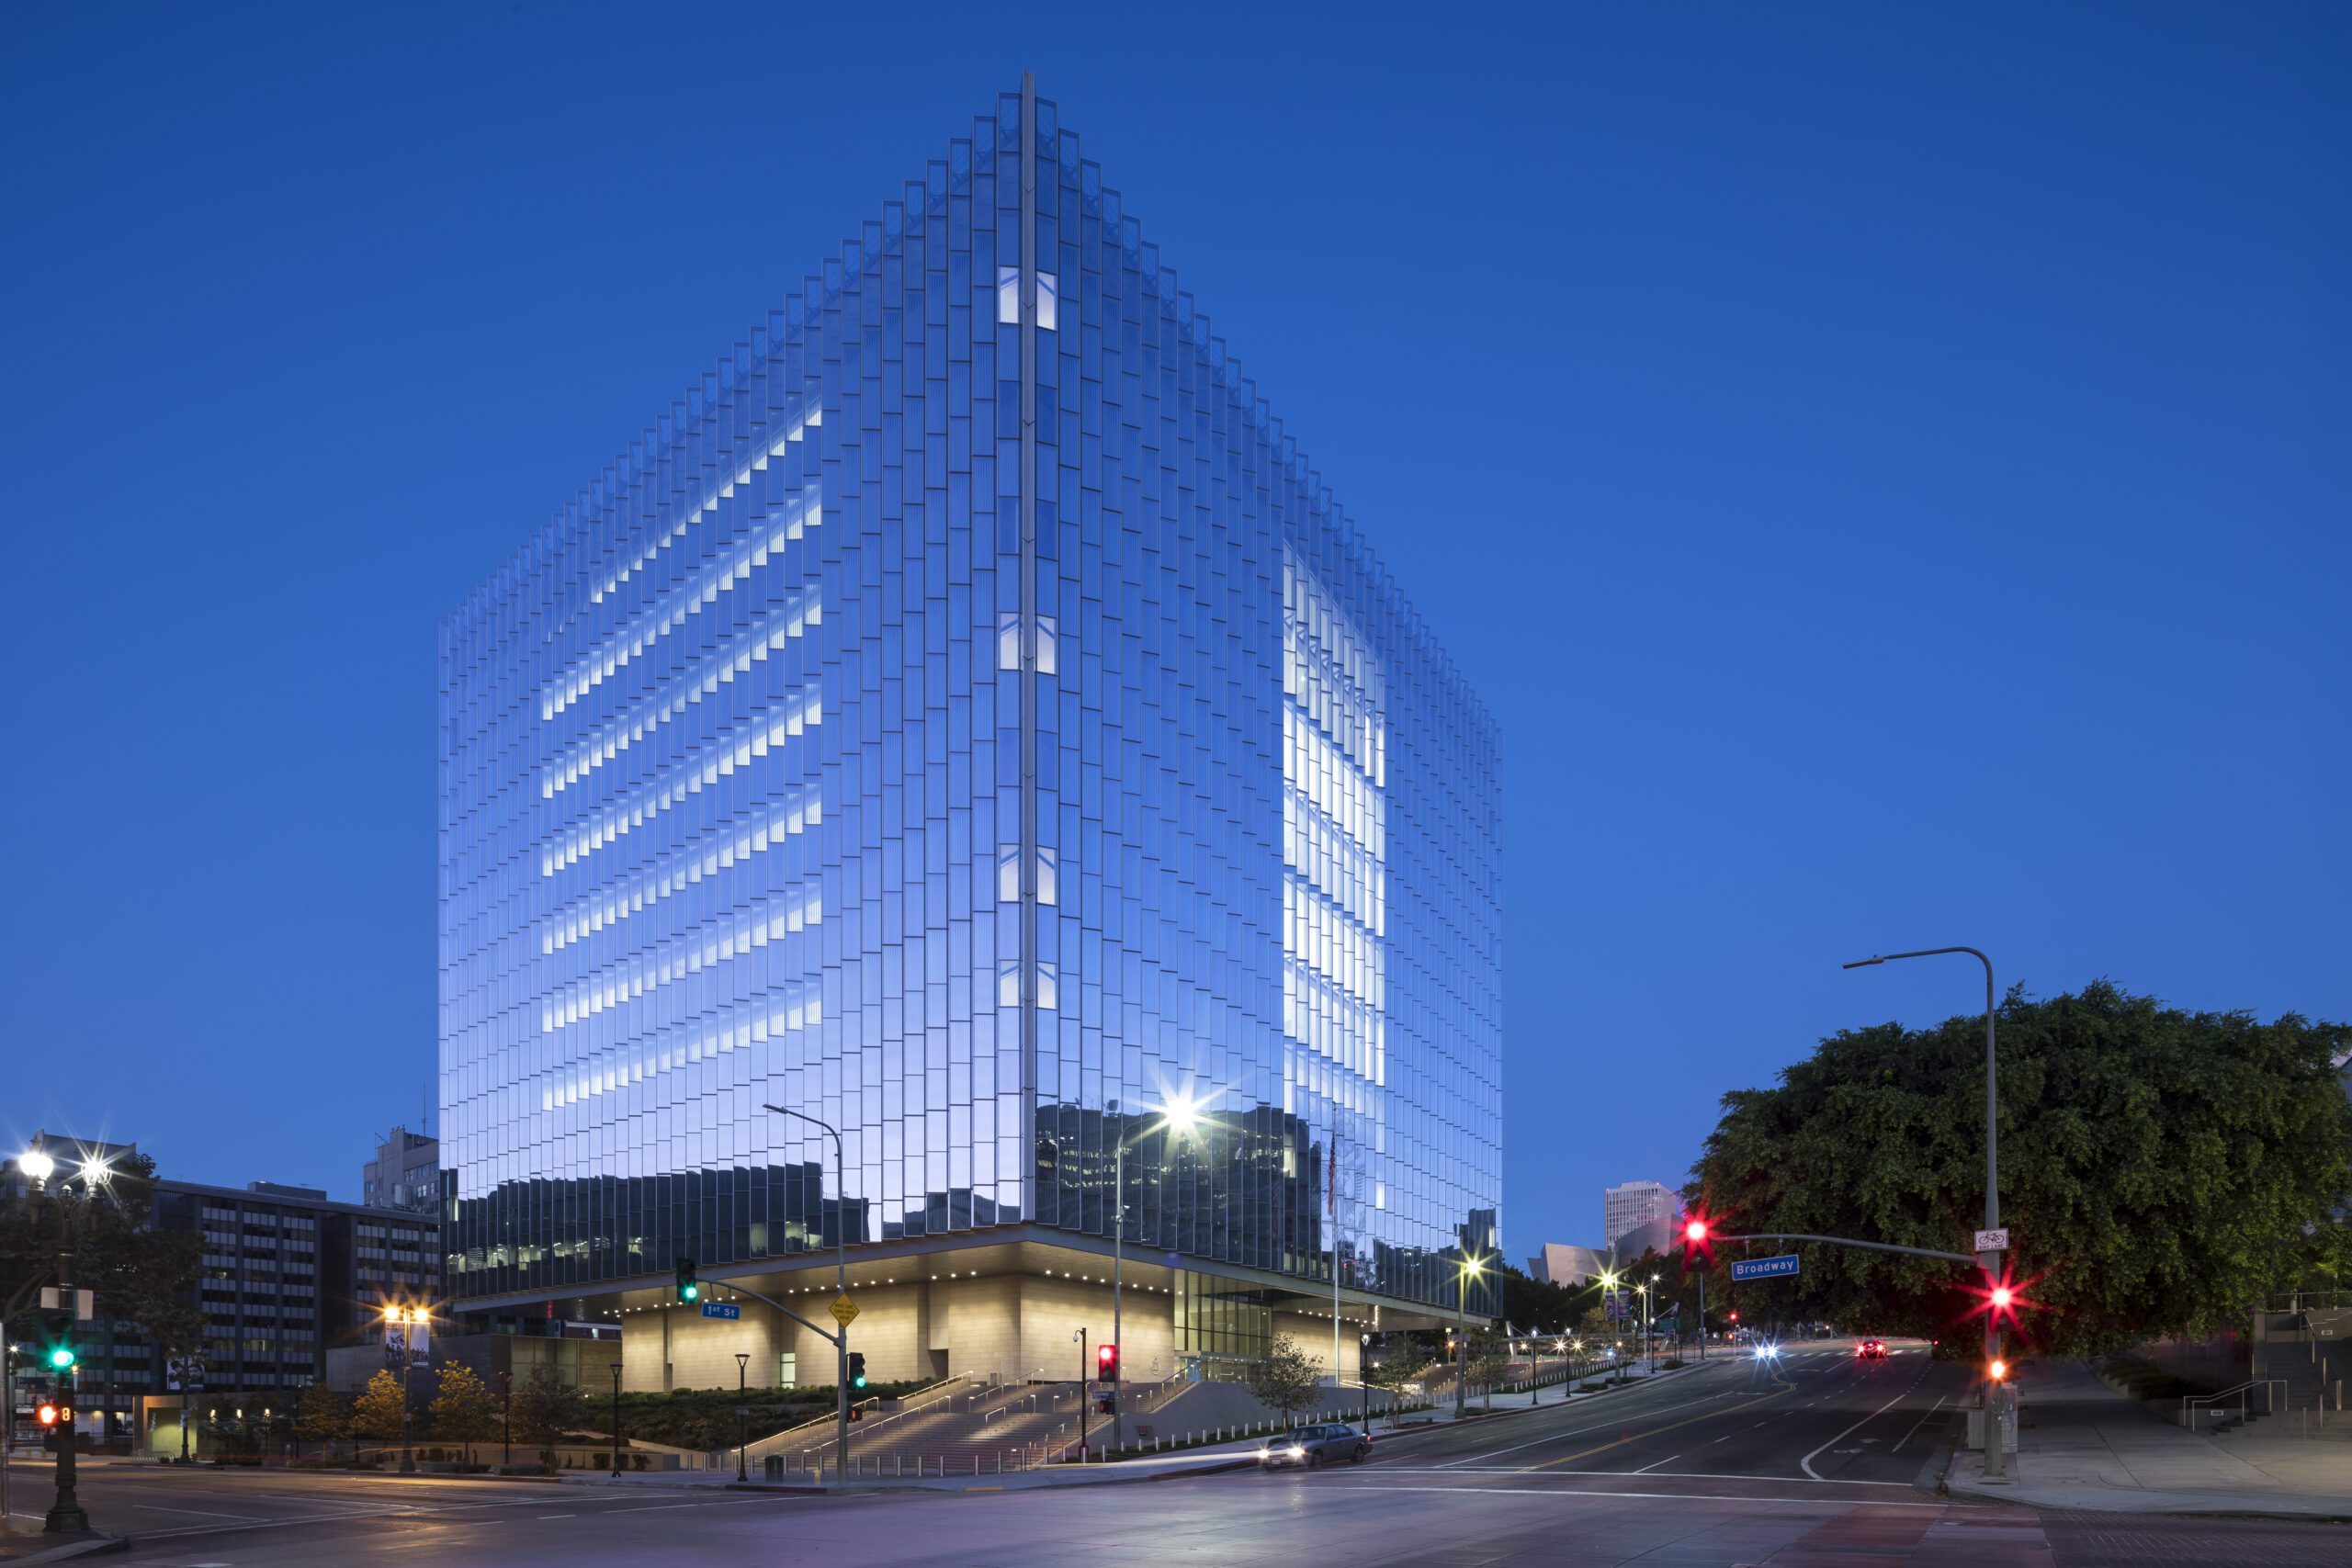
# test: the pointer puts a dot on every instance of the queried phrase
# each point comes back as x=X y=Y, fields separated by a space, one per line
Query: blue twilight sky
x=1888 y=472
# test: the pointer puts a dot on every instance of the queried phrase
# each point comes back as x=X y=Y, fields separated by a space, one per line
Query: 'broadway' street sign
x=1781 y=1268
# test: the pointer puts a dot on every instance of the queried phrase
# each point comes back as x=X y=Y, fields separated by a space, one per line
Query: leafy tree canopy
x=378 y=1413
x=1283 y=1377
x=140 y=1274
x=2160 y=1169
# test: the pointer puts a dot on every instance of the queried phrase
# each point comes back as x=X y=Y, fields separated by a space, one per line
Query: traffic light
x=1734 y=1317
x=2001 y=1296
x=1695 y=1231
x=1106 y=1362
x=48 y=1413
x=857 y=1369
x=62 y=1359
x=1998 y=1370
x=1107 y=1406
x=689 y=1287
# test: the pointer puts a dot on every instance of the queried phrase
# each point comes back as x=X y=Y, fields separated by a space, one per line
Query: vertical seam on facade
x=1027 y=661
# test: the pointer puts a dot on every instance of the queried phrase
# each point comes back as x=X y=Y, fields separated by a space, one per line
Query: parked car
x=1314 y=1446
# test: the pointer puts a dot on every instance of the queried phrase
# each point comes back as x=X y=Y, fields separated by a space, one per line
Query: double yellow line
x=1671 y=1425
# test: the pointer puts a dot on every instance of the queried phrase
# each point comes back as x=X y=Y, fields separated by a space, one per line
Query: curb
x=73 y=1549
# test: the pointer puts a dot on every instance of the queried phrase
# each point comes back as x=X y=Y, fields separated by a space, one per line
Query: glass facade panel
x=972 y=722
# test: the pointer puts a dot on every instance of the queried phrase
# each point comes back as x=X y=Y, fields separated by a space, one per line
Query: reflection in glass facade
x=967 y=716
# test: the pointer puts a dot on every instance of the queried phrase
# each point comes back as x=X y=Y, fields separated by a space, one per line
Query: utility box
x=2006 y=1403
x=773 y=1468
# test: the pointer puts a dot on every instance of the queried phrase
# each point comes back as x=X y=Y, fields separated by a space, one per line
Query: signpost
x=1992 y=1240
x=1781 y=1268
x=721 y=1309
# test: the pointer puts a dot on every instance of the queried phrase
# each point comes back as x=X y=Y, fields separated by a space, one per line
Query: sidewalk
x=2091 y=1448
x=1206 y=1459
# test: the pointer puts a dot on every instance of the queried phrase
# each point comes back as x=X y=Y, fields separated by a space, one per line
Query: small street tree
x=380 y=1413
x=1489 y=1360
x=321 y=1416
x=1283 y=1377
x=545 y=1407
x=464 y=1410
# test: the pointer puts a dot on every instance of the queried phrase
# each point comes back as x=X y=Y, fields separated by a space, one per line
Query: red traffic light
x=1734 y=1317
x=1998 y=1370
x=2002 y=1296
x=1696 y=1230
x=1106 y=1362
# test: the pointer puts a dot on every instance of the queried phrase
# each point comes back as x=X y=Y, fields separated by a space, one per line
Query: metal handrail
x=2190 y=1402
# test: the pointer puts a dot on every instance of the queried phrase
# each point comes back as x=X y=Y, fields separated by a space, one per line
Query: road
x=1814 y=1462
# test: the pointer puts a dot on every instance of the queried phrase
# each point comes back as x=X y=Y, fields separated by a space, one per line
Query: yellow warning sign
x=845 y=1310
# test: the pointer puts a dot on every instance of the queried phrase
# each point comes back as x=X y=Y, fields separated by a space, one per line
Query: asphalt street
x=1814 y=1461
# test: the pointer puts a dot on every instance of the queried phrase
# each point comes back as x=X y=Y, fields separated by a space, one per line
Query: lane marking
x=1806 y=1463
x=1655 y=1431
x=1579 y=1431
x=1922 y=1421
x=205 y=1512
x=1561 y=1492
x=1668 y=1460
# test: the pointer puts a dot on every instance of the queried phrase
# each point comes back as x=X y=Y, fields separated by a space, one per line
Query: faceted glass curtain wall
x=732 y=786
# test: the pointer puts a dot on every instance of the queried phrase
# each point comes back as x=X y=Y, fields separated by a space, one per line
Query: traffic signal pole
x=65 y=1514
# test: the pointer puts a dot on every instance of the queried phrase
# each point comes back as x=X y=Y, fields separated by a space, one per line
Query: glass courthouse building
x=967 y=717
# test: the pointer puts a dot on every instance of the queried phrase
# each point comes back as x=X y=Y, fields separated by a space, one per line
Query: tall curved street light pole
x=840 y=1285
x=1989 y=1261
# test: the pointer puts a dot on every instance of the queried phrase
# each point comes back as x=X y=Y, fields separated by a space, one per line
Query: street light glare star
x=36 y=1164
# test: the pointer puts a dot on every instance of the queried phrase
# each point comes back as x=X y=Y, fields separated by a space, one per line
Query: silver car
x=1315 y=1447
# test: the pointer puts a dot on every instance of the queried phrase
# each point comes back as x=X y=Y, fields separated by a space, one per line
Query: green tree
x=141 y=1275
x=1535 y=1305
x=1489 y=1359
x=545 y=1407
x=2161 y=1170
x=464 y=1410
x=380 y=1413
x=1283 y=1377
x=322 y=1415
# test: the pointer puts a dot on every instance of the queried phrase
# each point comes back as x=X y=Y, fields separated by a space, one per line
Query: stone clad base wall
x=1018 y=1328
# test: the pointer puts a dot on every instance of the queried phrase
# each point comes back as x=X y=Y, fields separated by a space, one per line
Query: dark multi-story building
x=967 y=718
x=286 y=1274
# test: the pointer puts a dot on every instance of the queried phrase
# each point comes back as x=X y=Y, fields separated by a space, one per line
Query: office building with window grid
x=967 y=720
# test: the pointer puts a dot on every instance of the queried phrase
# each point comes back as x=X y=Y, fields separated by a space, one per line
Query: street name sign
x=1781 y=1268
x=845 y=1310
x=1992 y=1241
x=721 y=1309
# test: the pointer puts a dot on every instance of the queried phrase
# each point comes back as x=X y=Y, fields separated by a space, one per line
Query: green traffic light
x=62 y=1358
x=689 y=1292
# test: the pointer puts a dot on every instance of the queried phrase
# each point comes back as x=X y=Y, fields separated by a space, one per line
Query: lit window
x=1007 y=875
x=1008 y=641
x=1047 y=878
x=1008 y=985
x=1008 y=296
x=1046 y=986
x=1048 y=662
x=1046 y=300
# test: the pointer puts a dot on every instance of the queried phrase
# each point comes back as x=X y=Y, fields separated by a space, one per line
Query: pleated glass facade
x=967 y=717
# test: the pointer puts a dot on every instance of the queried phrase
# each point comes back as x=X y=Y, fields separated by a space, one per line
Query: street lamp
x=1989 y=1261
x=1364 y=1365
x=1466 y=1271
x=396 y=1313
x=65 y=1513
x=742 y=1419
x=841 y=1286
x=1181 y=1116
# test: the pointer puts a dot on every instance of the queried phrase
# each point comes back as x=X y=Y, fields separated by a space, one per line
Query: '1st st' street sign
x=1781 y=1268
x=721 y=1309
